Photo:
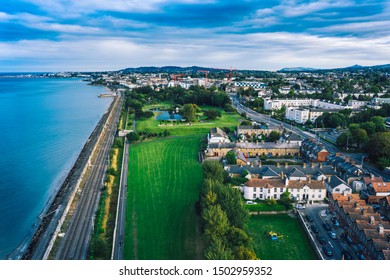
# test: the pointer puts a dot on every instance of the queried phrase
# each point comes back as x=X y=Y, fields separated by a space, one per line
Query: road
x=119 y=231
x=319 y=218
x=75 y=242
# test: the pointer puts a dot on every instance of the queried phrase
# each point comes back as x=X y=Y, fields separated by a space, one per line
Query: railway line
x=75 y=242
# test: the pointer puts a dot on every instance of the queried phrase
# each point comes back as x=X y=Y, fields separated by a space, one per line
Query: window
x=337 y=189
x=319 y=196
x=254 y=189
x=261 y=189
x=275 y=196
x=281 y=189
x=261 y=196
x=254 y=195
x=313 y=196
x=269 y=190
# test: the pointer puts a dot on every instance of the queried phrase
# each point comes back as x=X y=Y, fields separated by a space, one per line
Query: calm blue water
x=44 y=124
x=165 y=116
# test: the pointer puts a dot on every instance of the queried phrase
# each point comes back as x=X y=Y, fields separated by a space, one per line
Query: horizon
x=98 y=36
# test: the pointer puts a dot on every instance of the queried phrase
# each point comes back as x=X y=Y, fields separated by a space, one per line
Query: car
x=327 y=251
x=348 y=239
x=309 y=218
x=335 y=221
x=346 y=255
x=315 y=229
x=250 y=202
x=321 y=239
x=327 y=226
x=332 y=234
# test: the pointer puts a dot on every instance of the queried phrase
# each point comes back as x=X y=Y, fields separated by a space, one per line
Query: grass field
x=163 y=186
x=293 y=246
x=227 y=120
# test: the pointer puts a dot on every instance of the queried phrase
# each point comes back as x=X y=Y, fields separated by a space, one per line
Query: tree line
x=224 y=218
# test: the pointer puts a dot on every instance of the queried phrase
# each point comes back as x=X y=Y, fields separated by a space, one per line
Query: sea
x=44 y=124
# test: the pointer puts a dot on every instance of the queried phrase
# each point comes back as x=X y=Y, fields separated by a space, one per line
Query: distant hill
x=297 y=69
x=170 y=69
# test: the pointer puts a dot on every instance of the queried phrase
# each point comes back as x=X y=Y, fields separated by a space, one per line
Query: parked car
x=321 y=239
x=348 y=239
x=309 y=218
x=335 y=221
x=315 y=229
x=332 y=234
x=327 y=226
x=327 y=251
x=251 y=202
x=346 y=255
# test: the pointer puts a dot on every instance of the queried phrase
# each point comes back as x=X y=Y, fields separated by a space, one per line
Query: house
x=293 y=138
x=335 y=185
x=345 y=167
x=362 y=184
x=256 y=130
x=379 y=188
x=313 y=151
x=362 y=225
x=217 y=135
x=262 y=189
x=384 y=204
x=317 y=172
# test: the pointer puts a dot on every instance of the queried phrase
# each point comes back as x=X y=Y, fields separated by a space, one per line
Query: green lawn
x=163 y=186
x=293 y=246
x=226 y=120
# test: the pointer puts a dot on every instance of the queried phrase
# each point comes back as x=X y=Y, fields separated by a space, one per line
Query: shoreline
x=48 y=218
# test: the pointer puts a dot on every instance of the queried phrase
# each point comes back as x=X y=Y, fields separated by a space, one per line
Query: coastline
x=46 y=222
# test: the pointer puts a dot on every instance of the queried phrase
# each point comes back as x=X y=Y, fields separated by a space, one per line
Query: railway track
x=75 y=242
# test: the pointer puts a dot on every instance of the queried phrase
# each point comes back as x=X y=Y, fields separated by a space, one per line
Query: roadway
x=317 y=212
x=75 y=243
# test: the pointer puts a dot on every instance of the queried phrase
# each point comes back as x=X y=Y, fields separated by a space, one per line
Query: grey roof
x=294 y=172
x=294 y=137
x=268 y=145
x=335 y=182
x=222 y=145
x=269 y=172
x=217 y=132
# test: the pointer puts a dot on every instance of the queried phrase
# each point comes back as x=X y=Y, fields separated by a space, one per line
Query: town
x=309 y=144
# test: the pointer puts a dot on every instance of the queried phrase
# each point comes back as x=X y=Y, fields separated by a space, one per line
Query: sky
x=102 y=35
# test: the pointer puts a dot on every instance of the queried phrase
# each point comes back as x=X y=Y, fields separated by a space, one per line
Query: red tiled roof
x=381 y=186
x=368 y=180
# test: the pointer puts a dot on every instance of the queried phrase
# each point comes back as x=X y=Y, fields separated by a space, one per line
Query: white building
x=335 y=185
x=356 y=104
x=273 y=188
x=217 y=135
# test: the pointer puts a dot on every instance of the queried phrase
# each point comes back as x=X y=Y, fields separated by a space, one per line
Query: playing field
x=163 y=186
x=292 y=246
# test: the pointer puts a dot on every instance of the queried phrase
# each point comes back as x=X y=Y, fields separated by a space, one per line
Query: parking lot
x=327 y=233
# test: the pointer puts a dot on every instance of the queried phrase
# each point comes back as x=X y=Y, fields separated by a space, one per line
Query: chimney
x=322 y=180
x=286 y=182
x=282 y=174
x=309 y=179
x=251 y=164
x=355 y=204
x=320 y=165
x=381 y=230
x=371 y=220
x=362 y=211
x=304 y=165
x=286 y=165
x=372 y=176
x=260 y=163
x=312 y=165
x=329 y=179
x=278 y=164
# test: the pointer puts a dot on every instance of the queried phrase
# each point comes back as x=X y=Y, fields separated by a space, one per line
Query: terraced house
x=300 y=190
x=366 y=229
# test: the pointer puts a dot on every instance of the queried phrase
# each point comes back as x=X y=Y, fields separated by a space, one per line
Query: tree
x=379 y=145
x=273 y=136
x=231 y=158
x=286 y=200
x=212 y=114
x=343 y=139
x=213 y=170
x=216 y=223
x=243 y=253
x=379 y=123
x=217 y=250
x=359 y=136
x=369 y=127
x=189 y=112
x=132 y=137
